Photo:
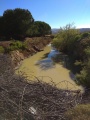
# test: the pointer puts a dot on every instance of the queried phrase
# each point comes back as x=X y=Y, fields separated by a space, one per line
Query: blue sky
x=57 y=13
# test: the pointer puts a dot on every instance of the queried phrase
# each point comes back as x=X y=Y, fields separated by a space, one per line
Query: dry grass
x=80 y=112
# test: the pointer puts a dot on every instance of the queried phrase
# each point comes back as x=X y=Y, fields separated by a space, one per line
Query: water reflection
x=48 y=63
x=53 y=53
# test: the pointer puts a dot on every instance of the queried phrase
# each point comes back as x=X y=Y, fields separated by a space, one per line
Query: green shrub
x=16 y=45
x=87 y=51
x=84 y=76
x=2 y=49
x=85 y=34
x=65 y=39
x=80 y=112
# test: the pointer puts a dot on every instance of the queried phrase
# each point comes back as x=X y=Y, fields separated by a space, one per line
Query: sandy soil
x=57 y=73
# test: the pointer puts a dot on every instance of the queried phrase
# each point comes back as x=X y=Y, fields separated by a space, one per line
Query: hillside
x=84 y=29
x=55 y=30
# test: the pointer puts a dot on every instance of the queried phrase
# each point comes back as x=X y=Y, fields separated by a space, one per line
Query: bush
x=85 y=34
x=84 y=76
x=65 y=39
x=2 y=49
x=16 y=45
x=80 y=112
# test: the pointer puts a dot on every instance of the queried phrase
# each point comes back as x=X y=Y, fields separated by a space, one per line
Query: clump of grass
x=2 y=50
x=16 y=45
x=80 y=112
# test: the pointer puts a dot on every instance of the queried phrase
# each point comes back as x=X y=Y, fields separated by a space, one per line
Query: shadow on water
x=46 y=61
x=45 y=56
x=45 y=64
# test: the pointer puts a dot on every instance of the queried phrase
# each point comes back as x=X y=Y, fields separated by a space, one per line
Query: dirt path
x=57 y=73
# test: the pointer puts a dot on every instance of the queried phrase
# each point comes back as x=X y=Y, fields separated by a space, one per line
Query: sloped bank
x=33 y=45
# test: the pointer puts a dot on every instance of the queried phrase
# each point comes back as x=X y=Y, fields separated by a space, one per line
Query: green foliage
x=16 y=46
x=39 y=28
x=1 y=26
x=57 y=43
x=85 y=34
x=87 y=51
x=80 y=112
x=84 y=76
x=78 y=63
x=16 y=22
x=65 y=38
x=2 y=50
x=78 y=37
x=77 y=46
x=19 y=23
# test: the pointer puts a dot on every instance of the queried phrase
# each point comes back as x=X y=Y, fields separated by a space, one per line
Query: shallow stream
x=42 y=66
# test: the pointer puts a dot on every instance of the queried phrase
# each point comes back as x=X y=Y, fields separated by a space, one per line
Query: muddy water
x=42 y=66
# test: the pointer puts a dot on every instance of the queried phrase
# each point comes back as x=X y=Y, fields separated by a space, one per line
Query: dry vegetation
x=23 y=100
x=81 y=112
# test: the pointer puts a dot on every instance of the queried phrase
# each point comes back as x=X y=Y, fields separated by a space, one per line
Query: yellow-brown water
x=57 y=73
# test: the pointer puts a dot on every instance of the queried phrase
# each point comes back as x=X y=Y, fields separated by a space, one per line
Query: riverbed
x=41 y=66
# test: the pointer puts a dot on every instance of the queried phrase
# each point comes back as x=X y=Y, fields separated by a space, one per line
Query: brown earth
x=34 y=45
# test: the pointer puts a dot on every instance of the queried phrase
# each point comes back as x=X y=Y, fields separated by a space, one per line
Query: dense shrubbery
x=65 y=38
x=84 y=76
x=77 y=46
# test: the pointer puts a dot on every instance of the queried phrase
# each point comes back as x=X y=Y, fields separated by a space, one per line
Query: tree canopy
x=39 y=28
x=16 y=22
x=19 y=23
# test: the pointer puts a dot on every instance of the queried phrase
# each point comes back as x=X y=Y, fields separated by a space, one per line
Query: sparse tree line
x=19 y=23
x=77 y=46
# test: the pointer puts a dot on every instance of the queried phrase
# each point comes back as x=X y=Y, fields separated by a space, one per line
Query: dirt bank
x=33 y=45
